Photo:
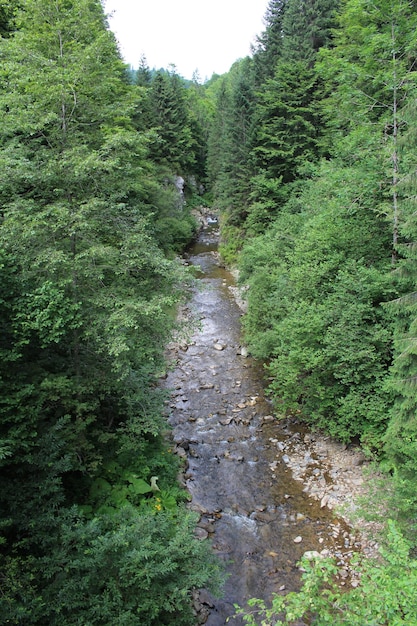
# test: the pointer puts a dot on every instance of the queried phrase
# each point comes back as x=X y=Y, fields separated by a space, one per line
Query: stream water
x=259 y=519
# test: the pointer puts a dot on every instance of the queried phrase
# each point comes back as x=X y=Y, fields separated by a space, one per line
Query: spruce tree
x=288 y=121
x=174 y=144
x=230 y=142
x=268 y=48
x=307 y=27
x=143 y=73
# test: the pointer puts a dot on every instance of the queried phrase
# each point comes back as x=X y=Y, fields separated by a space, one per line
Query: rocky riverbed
x=335 y=475
x=266 y=490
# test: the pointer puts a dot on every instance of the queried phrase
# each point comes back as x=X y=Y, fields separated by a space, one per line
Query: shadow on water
x=249 y=503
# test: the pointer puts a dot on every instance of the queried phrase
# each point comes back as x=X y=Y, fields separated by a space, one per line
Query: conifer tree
x=269 y=44
x=174 y=145
x=307 y=27
x=86 y=298
x=288 y=121
x=143 y=73
x=231 y=140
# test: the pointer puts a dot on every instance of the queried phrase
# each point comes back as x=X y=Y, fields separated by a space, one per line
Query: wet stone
x=201 y=533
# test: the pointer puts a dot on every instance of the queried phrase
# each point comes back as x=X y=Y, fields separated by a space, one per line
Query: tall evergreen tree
x=268 y=48
x=230 y=143
x=307 y=27
x=288 y=121
x=174 y=143
x=143 y=73
x=87 y=306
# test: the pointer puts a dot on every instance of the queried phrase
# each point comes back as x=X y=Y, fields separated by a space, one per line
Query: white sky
x=208 y=35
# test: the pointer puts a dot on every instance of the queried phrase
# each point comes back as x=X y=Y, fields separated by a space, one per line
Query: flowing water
x=250 y=506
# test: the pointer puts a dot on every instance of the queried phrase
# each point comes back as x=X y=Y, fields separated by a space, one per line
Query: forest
x=307 y=148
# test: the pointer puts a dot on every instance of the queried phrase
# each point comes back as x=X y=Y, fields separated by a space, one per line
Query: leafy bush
x=125 y=569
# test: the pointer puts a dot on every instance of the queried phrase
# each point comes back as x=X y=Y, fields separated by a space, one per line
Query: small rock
x=324 y=501
x=205 y=598
x=263 y=516
x=219 y=346
x=233 y=456
x=200 y=533
x=206 y=525
x=298 y=539
x=179 y=451
x=198 y=508
x=311 y=555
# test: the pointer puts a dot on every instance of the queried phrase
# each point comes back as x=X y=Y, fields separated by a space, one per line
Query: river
x=259 y=519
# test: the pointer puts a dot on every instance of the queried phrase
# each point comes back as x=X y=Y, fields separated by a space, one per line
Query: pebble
x=298 y=539
x=200 y=533
x=324 y=501
x=311 y=555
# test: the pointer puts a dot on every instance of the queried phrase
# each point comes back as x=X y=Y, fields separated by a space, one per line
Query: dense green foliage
x=324 y=226
x=90 y=222
x=323 y=231
x=308 y=149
